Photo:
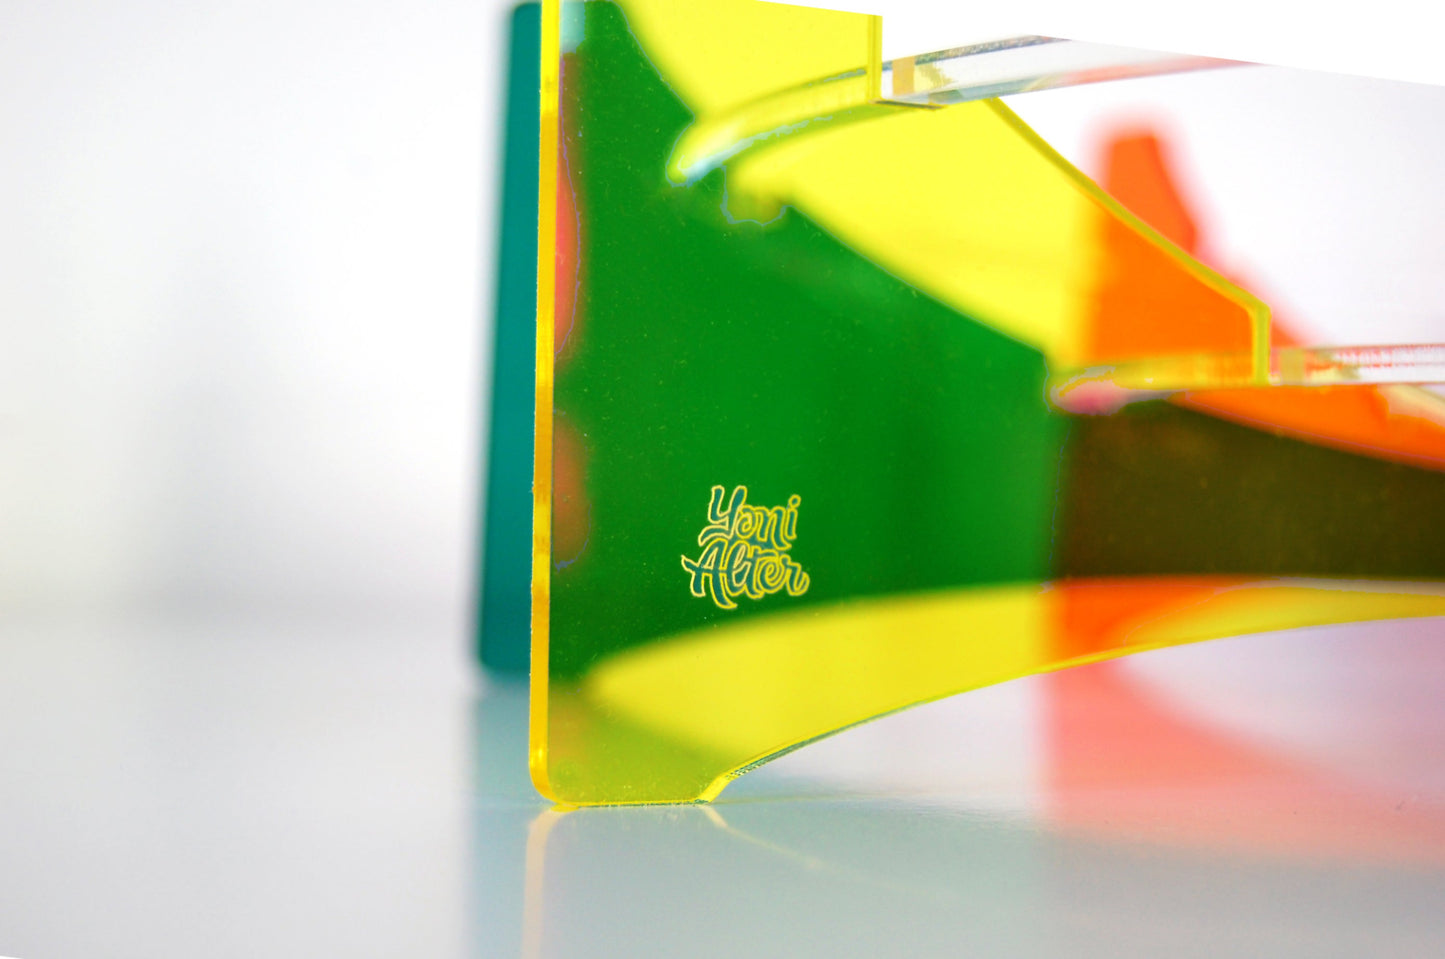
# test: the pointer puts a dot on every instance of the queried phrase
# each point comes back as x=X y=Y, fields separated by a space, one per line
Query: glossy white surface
x=178 y=786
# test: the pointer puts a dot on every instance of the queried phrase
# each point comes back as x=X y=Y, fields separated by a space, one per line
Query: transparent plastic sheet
x=846 y=404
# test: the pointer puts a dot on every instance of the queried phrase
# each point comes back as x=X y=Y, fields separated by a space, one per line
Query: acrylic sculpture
x=852 y=394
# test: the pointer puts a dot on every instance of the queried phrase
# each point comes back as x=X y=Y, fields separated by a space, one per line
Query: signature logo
x=745 y=550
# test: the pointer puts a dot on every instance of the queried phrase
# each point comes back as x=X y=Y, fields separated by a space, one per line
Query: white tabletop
x=206 y=785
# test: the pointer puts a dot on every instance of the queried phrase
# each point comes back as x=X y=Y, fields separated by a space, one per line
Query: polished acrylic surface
x=826 y=423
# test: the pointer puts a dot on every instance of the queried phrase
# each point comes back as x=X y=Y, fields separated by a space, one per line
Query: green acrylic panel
x=504 y=607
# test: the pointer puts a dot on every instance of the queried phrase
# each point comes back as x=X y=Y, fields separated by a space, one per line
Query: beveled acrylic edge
x=548 y=158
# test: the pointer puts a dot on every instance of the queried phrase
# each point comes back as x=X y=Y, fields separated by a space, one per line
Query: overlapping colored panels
x=803 y=467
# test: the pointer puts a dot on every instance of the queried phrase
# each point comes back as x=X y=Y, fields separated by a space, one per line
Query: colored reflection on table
x=1279 y=794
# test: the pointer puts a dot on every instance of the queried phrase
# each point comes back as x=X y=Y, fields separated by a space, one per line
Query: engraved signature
x=745 y=550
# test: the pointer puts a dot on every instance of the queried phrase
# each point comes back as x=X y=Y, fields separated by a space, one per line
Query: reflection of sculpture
x=867 y=313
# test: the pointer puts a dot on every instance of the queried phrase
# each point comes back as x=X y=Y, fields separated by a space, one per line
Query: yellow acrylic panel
x=809 y=444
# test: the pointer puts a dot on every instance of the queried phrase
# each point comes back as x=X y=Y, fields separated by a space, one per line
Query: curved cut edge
x=678 y=720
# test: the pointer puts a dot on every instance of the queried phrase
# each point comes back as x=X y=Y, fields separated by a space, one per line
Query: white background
x=244 y=287
x=1395 y=39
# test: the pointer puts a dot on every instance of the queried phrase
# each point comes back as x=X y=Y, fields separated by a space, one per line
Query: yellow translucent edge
x=1258 y=310
x=542 y=443
x=1245 y=608
x=1296 y=366
x=874 y=67
x=747 y=131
